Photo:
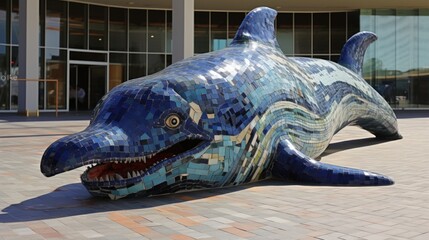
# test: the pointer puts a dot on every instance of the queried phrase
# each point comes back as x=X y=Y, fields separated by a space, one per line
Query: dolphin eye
x=172 y=121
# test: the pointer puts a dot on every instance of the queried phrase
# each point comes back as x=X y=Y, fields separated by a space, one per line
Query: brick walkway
x=35 y=207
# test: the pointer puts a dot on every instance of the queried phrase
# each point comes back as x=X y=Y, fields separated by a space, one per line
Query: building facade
x=91 y=47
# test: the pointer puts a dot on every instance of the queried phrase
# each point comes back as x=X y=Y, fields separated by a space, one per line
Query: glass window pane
x=385 y=53
x=218 y=30
x=56 y=60
x=169 y=31
x=15 y=21
x=14 y=72
x=56 y=24
x=201 y=32
x=156 y=31
x=97 y=27
x=156 y=62
x=367 y=23
x=423 y=53
x=406 y=57
x=77 y=25
x=234 y=22
x=117 y=69
x=3 y=23
x=285 y=32
x=352 y=23
x=321 y=33
x=302 y=33
x=4 y=78
x=118 y=29
x=137 y=66
x=137 y=30
x=338 y=32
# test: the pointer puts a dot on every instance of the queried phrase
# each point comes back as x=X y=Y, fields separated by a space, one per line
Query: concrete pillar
x=28 y=92
x=183 y=29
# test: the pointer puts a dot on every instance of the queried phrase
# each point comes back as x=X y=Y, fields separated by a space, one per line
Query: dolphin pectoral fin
x=291 y=164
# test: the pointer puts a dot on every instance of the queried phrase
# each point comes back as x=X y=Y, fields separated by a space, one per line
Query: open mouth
x=126 y=171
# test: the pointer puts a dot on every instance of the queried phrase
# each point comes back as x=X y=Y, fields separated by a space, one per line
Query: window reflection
x=338 y=32
x=117 y=69
x=77 y=25
x=97 y=27
x=285 y=32
x=14 y=72
x=156 y=62
x=156 y=31
x=4 y=79
x=302 y=33
x=137 y=34
x=218 y=30
x=118 y=29
x=234 y=21
x=321 y=33
x=15 y=21
x=3 y=22
x=201 y=32
x=56 y=69
x=137 y=66
x=56 y=24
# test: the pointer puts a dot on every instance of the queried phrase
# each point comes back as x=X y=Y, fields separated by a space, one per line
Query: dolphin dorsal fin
x=258 y=25
x=354 y=50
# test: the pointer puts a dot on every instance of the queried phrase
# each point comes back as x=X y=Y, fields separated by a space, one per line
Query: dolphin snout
x=79 y=149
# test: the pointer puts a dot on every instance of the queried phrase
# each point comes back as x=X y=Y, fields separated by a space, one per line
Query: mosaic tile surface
x=228 y=117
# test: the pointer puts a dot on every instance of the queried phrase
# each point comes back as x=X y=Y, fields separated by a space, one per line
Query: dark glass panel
x=324 y=57
x=156 y=31
x=169 y=31
x=4 y=78
x=335 y=58
x=234 y=21
x=97 y=27
x=352 y=23
x=3 y=23
x=56 y=60
x=137 y=28
x=302 y=33
x=218 y=30
x=338 y=32
x=14 y=73
x=88 y=56
x=42 y=85
x=117 y=69
x=285 y=32
x=321 y=33
x=77 y=25
x=422 y=93
x=406 y=57
x=385 y=78
x=201 y=33
x=56 y=24
x=15 y=21
x=169 y=60
x=137 y=65
x=156 y=62
x=118 y=29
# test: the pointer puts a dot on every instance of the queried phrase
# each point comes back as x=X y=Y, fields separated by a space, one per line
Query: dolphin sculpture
x=228 y=117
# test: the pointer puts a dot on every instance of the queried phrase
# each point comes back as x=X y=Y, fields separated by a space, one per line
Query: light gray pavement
x=35 y=207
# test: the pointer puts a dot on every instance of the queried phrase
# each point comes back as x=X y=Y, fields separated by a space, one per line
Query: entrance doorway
x=87 y=86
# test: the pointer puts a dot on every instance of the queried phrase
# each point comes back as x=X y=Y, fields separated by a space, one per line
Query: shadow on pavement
x=351 y=144
x=73 y=199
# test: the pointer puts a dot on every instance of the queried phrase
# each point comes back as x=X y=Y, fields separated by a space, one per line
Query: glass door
x=87 y=86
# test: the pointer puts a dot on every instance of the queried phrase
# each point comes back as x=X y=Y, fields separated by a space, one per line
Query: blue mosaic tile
x=228 y=117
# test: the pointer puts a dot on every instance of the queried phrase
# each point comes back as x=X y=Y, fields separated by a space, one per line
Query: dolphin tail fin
x=291 y=164
x=354 y=50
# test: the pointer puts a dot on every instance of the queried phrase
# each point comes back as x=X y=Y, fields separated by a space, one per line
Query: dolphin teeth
x=128 y=175
x=119 y=177
x=134 y=174
x=116 y=161
x=101 y=179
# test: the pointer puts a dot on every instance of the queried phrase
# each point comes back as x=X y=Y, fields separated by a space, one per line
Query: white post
x=183 y=29
x=28 y=91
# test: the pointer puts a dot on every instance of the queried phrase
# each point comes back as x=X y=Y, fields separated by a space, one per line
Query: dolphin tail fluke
x=353 y=51
x=291 y=164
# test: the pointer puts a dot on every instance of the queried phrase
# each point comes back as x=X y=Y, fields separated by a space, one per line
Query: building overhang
x=280 y=5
